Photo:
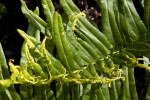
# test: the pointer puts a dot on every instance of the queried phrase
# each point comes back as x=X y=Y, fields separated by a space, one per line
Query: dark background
x=13 y=19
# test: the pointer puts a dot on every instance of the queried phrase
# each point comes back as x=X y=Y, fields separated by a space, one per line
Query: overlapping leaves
x=83 y=53
x=87 y=47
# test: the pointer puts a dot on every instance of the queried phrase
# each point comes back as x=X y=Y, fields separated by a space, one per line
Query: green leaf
x=39 y=23
x=139 y=49
x=70 y=9
x=49 y=12
x=125 y=83
x=62 y=44
x=10 y=92
x=146 y=17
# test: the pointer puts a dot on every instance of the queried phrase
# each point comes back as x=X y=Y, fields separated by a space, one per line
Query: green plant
x=3 y=10
x=87 y=64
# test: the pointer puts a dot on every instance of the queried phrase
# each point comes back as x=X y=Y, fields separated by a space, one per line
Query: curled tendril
x=74 y=18
x=135 y=63
x=143 y=66
x=20 y=75
x=96 y=79
x=44 y=51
